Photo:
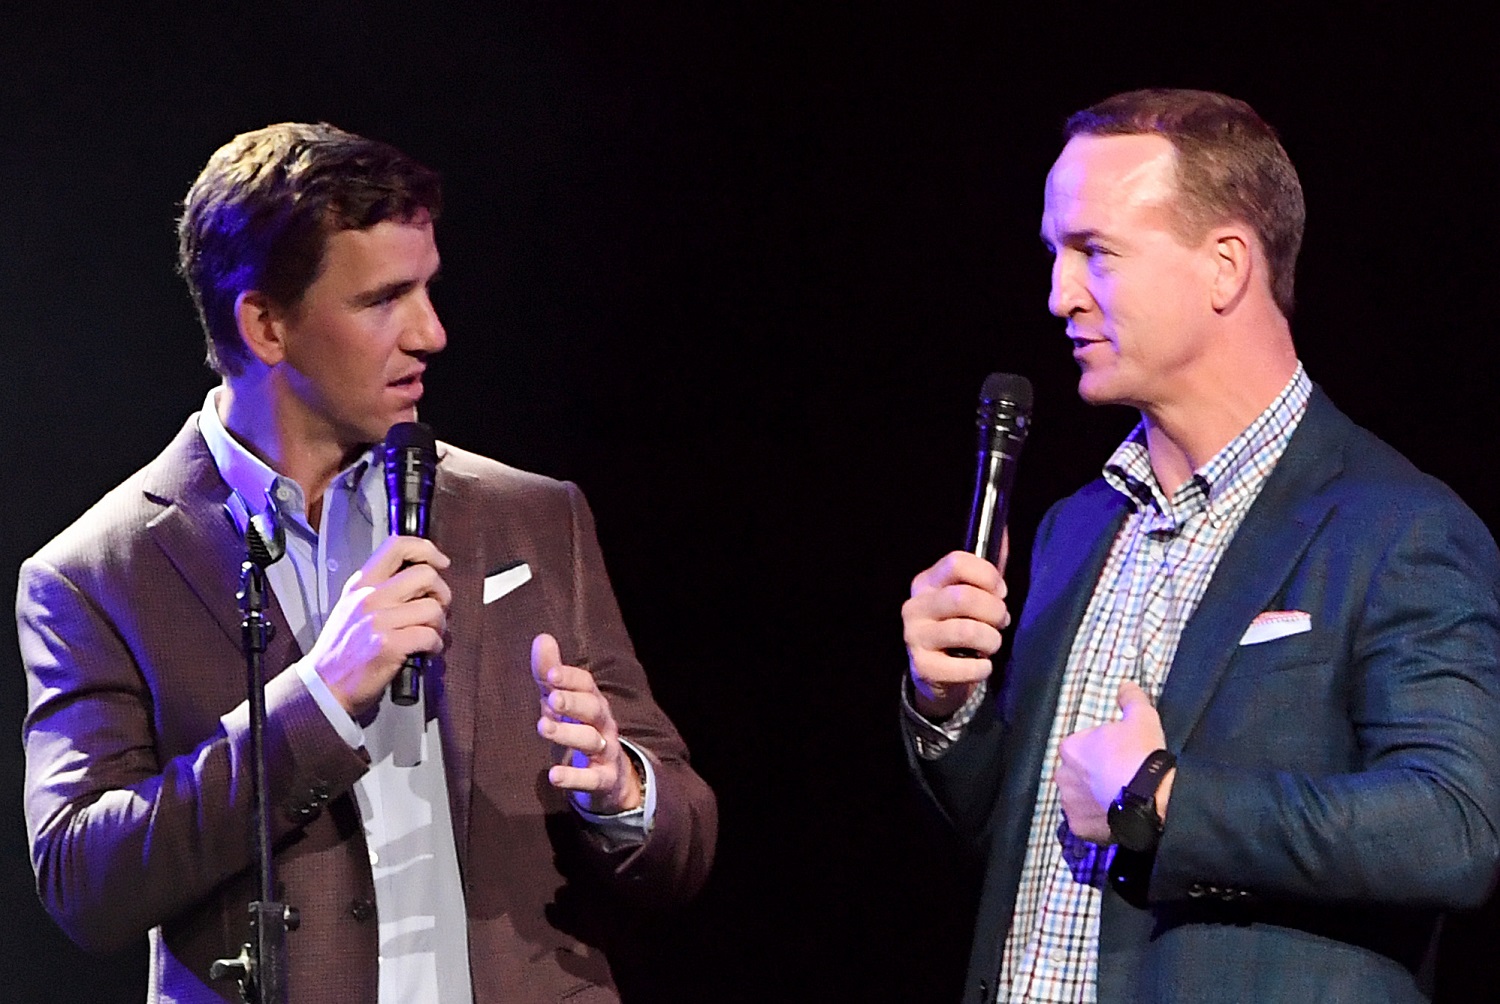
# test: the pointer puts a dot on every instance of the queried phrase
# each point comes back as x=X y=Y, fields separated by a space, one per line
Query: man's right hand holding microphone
x=958 y=604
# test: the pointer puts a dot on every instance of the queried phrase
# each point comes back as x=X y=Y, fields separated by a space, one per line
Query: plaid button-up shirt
x=1156 y=573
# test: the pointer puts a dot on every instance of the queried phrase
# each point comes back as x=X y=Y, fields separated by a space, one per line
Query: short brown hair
x=260 y=213
x=1230 y=166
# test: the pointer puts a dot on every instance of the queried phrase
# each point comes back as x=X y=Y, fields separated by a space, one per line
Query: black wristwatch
x=1133 y=821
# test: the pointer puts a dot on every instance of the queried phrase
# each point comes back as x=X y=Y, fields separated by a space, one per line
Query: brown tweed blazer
x=138 y=797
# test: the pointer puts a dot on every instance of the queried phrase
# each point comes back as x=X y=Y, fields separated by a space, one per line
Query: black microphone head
x=1004 y=419
x=1004 y=414
x=410 y=436
x=410 y=471
x=1010 y=388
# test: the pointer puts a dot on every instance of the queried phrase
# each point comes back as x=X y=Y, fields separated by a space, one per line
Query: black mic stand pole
x=261 y=966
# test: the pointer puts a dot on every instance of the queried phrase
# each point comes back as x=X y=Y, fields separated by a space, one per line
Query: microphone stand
x=261 y=966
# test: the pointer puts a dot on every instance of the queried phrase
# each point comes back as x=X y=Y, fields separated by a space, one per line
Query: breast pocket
x=1281 y=654
x=1282 y=703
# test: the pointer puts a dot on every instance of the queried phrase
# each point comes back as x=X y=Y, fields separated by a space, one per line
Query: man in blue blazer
x=1247 y=744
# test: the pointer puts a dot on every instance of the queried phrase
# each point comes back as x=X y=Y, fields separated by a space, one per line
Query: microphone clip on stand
x=261 y=966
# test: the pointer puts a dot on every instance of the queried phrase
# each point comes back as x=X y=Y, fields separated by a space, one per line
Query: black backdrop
x=739 y=272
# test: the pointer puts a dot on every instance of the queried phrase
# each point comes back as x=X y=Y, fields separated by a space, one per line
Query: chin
x=1107 y=386
x=407 y=414
x=1094 y=389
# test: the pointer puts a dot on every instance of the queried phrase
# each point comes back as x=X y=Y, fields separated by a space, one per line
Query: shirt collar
x=251 y=482
x=1245 y=460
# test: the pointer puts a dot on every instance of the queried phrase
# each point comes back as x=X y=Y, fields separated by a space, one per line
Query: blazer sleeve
x=123 y=838
x=1407 y=810
x=671 y=865
x=966 y=782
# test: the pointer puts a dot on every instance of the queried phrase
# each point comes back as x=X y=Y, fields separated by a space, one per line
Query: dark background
x=738 y=271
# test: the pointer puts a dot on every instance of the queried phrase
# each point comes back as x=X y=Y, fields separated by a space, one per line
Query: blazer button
x=319 y=792
x=302 y=813
x=362 y=910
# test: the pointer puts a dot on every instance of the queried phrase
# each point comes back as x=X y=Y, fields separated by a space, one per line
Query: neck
x=251 y=416
x=1217 y=405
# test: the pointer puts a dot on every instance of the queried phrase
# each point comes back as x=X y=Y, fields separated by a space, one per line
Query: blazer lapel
x=453 y=697
x=1261 y=557
x=202 y=542
x=1061 y=586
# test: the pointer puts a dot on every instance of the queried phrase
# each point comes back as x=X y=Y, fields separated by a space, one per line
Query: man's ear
x=260 y=326
x=1233 y=268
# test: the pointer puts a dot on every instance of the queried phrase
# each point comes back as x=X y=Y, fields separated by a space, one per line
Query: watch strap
x=1149 y=777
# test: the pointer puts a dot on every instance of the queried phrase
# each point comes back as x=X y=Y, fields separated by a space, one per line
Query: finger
x=544 y=656
x=595 y=777
x=416 y=581
x=1132 y=698
x=415 y=640
x=564 y=677
x=399 y=584
x=940 y=669
x=422 y=612
x=922 y=636
x=1067 y=755
x=396 y=551
x=578 y=706
x=955 y=600
x=586 y=739
x=957 y=567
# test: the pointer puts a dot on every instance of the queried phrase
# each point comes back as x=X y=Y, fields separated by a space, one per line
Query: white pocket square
x=502 y=582
x=1275 y=624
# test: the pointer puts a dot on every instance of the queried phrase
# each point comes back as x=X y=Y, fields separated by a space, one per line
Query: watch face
x=1133 y=823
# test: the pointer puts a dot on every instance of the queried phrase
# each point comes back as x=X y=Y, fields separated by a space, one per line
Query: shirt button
x=333 y=564
x=1058 y=956
x=284 y=493
x=374 y=858
x=1129 y=651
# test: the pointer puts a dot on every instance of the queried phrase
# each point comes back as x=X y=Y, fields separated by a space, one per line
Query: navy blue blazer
x=1336 y=789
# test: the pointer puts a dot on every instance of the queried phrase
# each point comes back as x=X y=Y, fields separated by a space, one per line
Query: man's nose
x=427 y=334
x=1067 y=293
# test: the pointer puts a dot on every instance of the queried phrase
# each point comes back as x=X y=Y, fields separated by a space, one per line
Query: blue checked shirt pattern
x=1156 y=573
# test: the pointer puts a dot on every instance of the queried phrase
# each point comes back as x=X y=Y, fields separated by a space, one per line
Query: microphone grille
x=1011 y=388
x=410 y=436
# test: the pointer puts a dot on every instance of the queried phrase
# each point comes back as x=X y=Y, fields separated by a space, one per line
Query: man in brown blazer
x=487 y=844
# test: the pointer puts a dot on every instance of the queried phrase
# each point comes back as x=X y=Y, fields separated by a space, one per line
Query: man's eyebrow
x=389 y=290
x=1074 y=238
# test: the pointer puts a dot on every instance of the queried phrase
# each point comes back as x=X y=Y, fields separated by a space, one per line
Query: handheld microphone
x=410 y=470
x=1004 y=419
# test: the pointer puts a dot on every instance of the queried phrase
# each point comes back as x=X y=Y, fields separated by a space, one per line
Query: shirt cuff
x=631 y=827
x=932 y=739
x=347 y=728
